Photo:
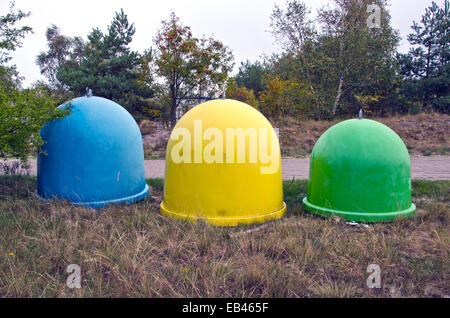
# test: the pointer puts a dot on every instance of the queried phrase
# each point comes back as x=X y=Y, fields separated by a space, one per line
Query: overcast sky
x=240 y=24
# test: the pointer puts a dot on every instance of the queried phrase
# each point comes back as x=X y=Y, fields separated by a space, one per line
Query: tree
x=22 y=112
x=362 y=52
x=295 y=30
x=61 y=50
x=110 y=68
x=426 y=67
x=242 y=94
x=430 y=41
x=284 y=97
x=250 y=76
x=340 y=57
x=11 y=36
x=10 y=39
x=188 y=66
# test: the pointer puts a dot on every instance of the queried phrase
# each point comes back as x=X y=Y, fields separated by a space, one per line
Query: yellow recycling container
x=223 y=166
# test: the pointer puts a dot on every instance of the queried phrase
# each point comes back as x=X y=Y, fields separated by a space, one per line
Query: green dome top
x=360 y=169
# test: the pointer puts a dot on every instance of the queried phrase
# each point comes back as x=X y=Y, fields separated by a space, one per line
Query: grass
x=133 y=251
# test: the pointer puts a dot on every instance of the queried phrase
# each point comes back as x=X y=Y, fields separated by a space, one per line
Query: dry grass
x=423 y=134
x=155 y=142
x=133 y=251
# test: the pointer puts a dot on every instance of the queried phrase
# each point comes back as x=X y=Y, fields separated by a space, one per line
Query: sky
x=242 y=25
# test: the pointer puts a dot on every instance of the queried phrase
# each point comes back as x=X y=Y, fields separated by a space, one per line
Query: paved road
x=426 y=168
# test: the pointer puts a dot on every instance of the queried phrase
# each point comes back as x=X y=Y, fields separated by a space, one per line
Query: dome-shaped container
x=223 y=165
x=360 y=170
x=94 y=156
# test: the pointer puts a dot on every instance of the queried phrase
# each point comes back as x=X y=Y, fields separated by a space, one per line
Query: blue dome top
x=94 y=155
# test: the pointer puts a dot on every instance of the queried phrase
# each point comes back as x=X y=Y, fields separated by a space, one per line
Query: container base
x=226 y=221
x=102 y=204
x=369 y=217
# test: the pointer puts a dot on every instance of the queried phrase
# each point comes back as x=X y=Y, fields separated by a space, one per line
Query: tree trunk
x=427 y=71
x=338 y=95
x=308 y=77
x=173 y=107
x=341 y=78
x=173 y=115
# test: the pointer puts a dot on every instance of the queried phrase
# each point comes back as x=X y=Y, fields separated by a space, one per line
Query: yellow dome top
x=223 y=165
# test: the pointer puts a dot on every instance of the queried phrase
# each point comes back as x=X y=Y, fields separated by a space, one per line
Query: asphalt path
x=424 y=168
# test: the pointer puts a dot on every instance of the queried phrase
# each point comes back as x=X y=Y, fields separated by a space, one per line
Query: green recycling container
x=360 y=171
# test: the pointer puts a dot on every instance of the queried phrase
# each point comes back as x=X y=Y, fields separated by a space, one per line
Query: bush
x=22 y=115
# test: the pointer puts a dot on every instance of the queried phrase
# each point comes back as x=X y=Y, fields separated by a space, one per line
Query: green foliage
x=250 y=76
x=242 y=94
x=61 y=50
x=425 y=68
x=107 y=65
x=10 y=39
x=331 y=66
x=23 y=113
x=430 y=41
x=11 y=36
x=284 y=97
x=338 y=58
x=188 y=66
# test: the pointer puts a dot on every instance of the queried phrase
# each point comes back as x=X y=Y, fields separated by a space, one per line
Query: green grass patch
x=156 y=183
x=439 y=190
x=293 y=192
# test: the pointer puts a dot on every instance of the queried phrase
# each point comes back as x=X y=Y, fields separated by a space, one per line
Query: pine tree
x=110 y=68
x=426 y=67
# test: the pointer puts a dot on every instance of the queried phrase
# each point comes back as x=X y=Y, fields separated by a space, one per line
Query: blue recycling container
x=92 y=157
